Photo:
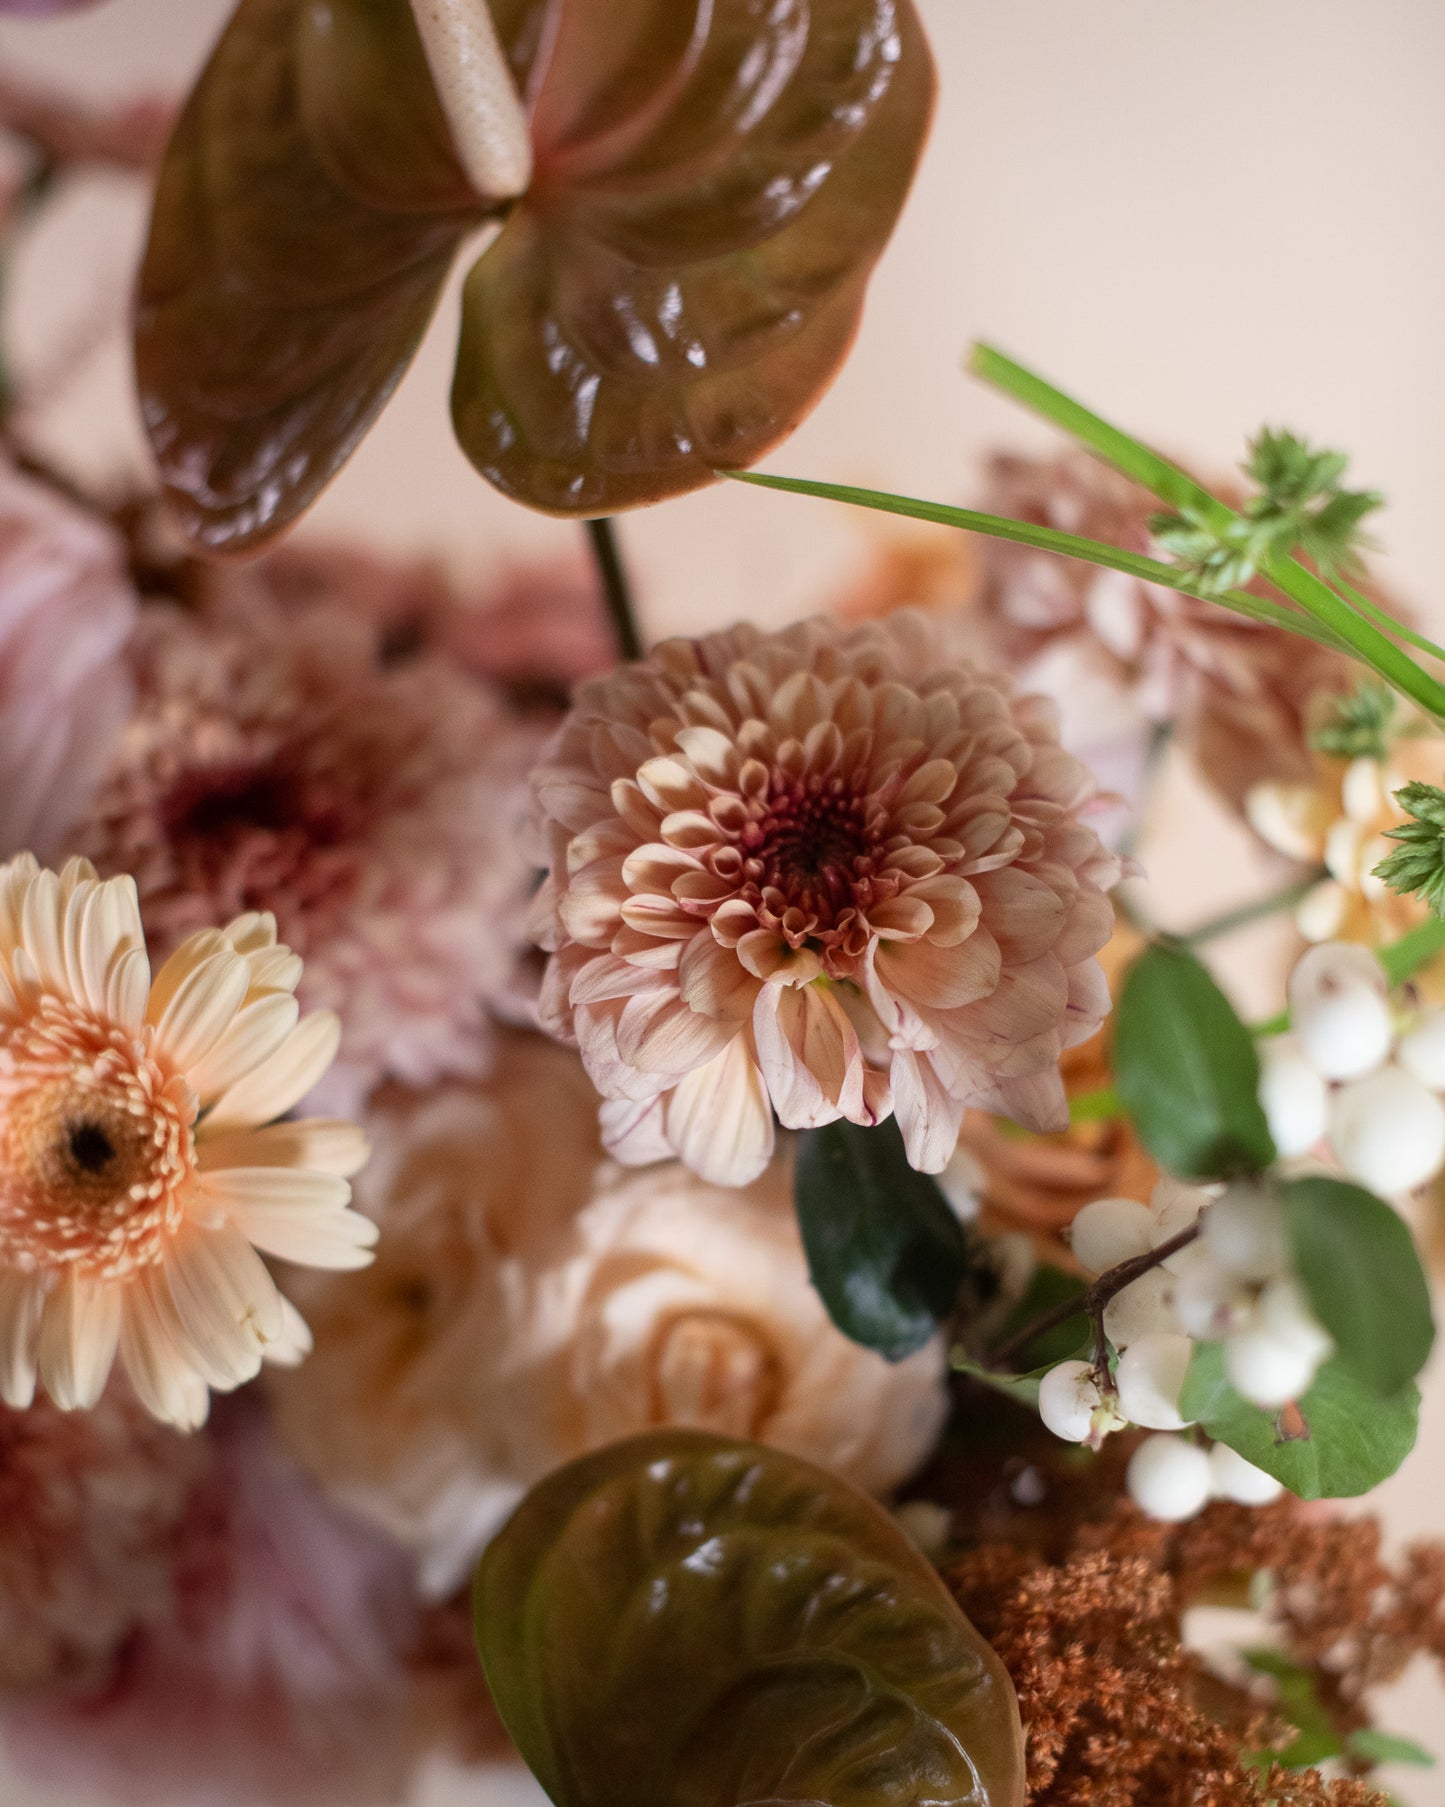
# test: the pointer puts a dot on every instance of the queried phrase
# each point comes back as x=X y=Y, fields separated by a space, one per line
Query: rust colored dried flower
x=824 y=872
x=273 y=764
x=1239 y=693
x=89 y=1502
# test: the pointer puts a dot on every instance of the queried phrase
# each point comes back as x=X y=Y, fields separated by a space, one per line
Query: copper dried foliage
x=713 y=182
x=691 y=1621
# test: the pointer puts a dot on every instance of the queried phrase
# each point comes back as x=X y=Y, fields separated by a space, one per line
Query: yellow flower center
x=96 y=1149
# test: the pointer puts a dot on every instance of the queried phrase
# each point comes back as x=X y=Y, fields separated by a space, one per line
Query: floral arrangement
x=686 y=1171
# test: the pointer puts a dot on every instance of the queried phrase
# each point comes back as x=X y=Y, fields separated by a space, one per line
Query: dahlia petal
x=956 y=908
x=671 y=785
x=718 y=1118
x=21 y=1299
x=659 y=1033
x=766 y=955
x=808 y=1051
x=659 y=917
x=711 y=754
x=714 y=982
x=901 y=918
x=933 y=782
x=939 y=978
x=79 y=1331
x=591 y=908
x=609 y=1072
x=605 y=976
x=653 y=867
x=163 y=1380
x=201 y=1009
x=226 y=1302
x=1036 y=1102
x=319 y=1143
x=253 y=1034
x=635 y=1132
x=928 y=1116
x=1087 y=927
x=127 y=989
x=294 y=1215
x=270 y=1090
x=1024 y=914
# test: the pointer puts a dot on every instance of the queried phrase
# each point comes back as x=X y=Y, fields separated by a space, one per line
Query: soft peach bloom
x=823 y=872
x=275 y=763
x=89 y=1502
x=66 y=610
x=279 y=1674
x=1338 y=818
x=136 y=1179
x=1120 y=654
x=527 y=1305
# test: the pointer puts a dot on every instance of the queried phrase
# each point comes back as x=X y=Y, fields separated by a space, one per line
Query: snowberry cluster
x=1354 y=1078
x=1232 y=1284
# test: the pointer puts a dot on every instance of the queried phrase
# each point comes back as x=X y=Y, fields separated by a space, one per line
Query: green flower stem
x=1179 y=490
x=616 y=591
x=1383 y=619
x=1101 y=1105
x=1049 y=539
x=1245 y=914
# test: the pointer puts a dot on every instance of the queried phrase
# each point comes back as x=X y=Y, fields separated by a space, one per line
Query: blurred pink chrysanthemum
x=278 y=1674
x=822 y=872
x=274 y=763
x=1122 y=655
x=89 y=1502
x=66 y=610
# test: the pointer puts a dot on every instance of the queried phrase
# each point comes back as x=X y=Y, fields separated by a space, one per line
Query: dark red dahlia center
x=815 y=844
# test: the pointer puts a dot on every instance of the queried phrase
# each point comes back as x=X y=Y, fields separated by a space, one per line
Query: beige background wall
x=1200 y=217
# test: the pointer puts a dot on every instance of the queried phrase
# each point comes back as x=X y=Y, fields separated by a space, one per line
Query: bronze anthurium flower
x=689 y=1621
x=712 y=181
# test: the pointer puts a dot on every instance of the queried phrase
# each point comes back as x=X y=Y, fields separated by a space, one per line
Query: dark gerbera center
x=90 y=1147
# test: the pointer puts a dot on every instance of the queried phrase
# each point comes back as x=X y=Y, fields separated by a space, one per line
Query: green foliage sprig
x=1417 y=866
x=1361 y=723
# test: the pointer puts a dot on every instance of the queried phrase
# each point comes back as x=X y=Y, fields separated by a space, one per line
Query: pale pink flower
x=823 y=872
x=66 y=610
x=136 y=1178
x=275 y=764
x=529 y=1303
x=279 y=1673
x=89 y=1502
x=1121 y=655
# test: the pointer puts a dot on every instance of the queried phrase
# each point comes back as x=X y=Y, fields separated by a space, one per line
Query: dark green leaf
x=1298 y=1702
x=1371 y=1746
x=1359 y=1265
x=1049 y=1289
x=885 y=1249
x=1186 y=1070
x=1355 y=1441
x=685 y=1621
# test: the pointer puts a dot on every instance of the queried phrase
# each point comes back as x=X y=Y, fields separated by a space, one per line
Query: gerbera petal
x=79 y=1331
x=202 y=1007
x=295 y=1215
x=42 y=920
x=205 y=944
x=164 y=1381
x=127 y=987
x=225 y=1300
x=253 y=1034
x=323 y=1144
x=295 y=1342
x=21 y=1297
x=270 y=1090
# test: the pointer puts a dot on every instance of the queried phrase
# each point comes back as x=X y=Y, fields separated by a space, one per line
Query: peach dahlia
x=137 y=1177
x=823 y=872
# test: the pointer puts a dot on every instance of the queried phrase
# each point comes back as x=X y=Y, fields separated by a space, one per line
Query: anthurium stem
x=477 y=94
x=616 y=591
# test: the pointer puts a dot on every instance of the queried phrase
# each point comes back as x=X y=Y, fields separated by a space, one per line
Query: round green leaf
x=1354 y=1438
x=1186 y=1070
x=1359 y=1265
x=885 y=1250
x=686 y=1621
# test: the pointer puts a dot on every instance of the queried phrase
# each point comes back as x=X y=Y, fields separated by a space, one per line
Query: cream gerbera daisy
x=137 y=1180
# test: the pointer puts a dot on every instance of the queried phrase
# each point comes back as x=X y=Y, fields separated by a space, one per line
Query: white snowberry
x=1169 y=1478
x=1150 y=1379
x=1072 y=1406
x=1144 y=1307
x=1293 y=1096
x=1246 y=1232
x=1174 y=1208
x=1232 y=1478
x=1339 y=1009
x=1210 y=1301
x=1421 y=1050
x=1284 y=1312
x=1108 y=1231
x=1266 y=1369
x=1388 y=1131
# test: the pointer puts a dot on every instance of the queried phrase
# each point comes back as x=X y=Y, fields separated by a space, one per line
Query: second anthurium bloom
x=819 y=873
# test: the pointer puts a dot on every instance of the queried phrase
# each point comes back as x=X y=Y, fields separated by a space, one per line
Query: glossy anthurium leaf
x=689 y=1621
x=714 y=180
